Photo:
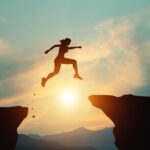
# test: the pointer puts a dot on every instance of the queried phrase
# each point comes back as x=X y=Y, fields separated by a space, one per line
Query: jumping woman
x=60 y=59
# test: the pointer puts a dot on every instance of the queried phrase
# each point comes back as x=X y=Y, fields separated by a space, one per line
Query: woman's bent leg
x=56 y=71
x=74 y=63
x=71 y=61
x=50 y=75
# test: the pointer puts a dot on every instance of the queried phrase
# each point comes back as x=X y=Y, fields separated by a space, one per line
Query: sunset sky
x=114 y=59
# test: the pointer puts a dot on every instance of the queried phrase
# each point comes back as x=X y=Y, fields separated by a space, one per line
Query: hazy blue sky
x=115 y=58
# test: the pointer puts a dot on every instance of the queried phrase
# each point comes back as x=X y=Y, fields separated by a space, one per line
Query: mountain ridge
x=83 y=137
x=28 y=143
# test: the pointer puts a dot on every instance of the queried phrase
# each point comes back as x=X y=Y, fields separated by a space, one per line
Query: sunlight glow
x=68 y=98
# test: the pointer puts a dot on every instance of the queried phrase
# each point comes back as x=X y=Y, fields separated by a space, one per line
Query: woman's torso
x=62 y=51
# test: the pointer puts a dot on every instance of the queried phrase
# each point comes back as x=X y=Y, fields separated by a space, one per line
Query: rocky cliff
x=10 y=119
x=131 y=117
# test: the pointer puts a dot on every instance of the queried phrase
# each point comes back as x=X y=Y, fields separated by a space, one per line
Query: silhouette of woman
x=60 y=59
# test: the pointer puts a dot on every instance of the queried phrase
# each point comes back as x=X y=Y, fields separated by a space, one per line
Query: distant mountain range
x=28 y=143
x=79 y=139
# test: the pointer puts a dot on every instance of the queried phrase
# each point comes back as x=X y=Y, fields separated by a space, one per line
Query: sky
x=114 y=59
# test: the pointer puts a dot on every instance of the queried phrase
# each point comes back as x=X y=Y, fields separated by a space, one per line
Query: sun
x=68 y=98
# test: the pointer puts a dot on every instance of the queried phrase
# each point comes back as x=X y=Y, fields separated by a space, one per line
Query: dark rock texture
x=10 y=119
x=131 y=116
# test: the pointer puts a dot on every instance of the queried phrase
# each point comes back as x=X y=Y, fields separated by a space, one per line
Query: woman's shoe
x=43 y=82
x=78 y=77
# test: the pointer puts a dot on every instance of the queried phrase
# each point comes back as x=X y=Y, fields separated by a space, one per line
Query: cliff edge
x=10 y=119
x=131 y=117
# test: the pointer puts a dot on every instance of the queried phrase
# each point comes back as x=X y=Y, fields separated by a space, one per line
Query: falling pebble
x=33 y=116
x=32 y=108
x=33 y=93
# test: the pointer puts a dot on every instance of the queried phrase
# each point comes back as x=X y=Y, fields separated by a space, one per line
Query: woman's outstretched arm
x=74 y=47
x=51 y=48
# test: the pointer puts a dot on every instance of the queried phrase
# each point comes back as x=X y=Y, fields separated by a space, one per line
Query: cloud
x=115 y=62
x=3 y=20
x=116 y=59
x=3 y=47
x=126 y=46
